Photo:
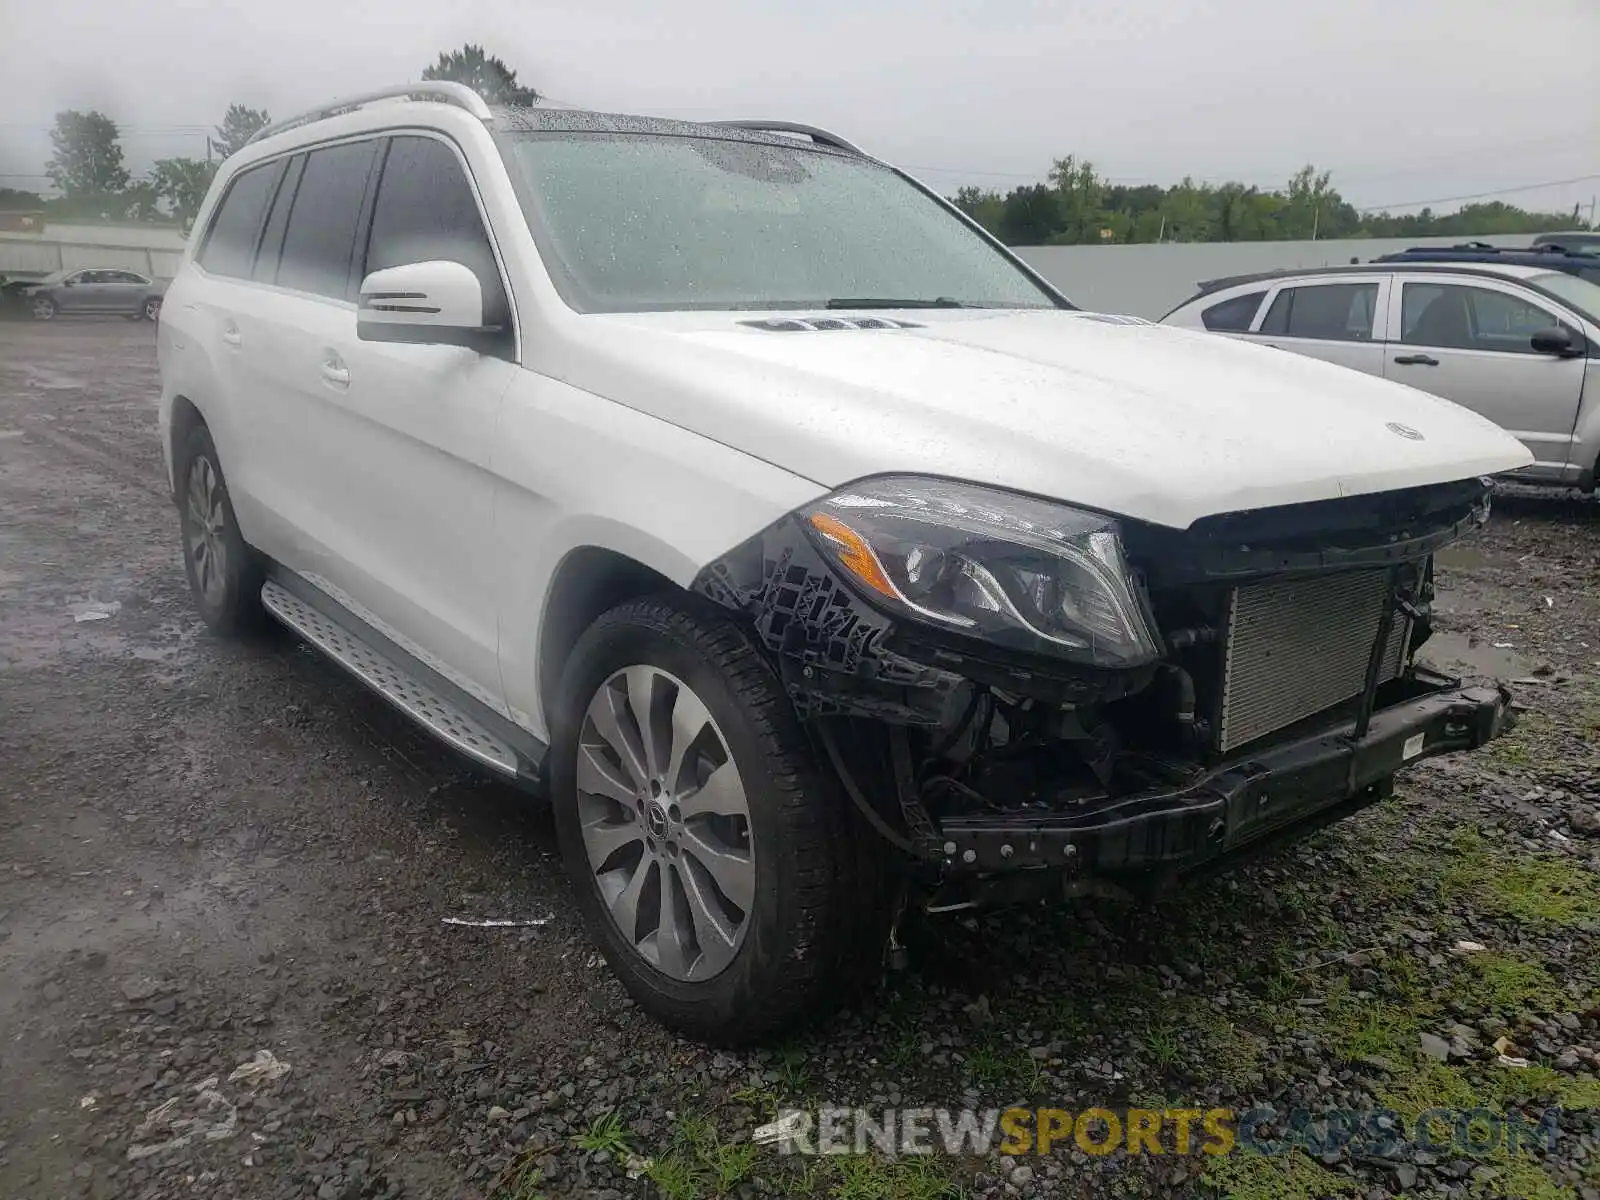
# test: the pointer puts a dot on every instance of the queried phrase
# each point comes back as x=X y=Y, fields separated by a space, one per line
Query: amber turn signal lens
x=854 y=554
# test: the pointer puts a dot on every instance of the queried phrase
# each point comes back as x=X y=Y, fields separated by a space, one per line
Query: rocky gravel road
x=227 y=872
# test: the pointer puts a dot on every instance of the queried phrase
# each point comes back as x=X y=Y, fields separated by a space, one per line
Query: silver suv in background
x=1519 y=345
x=94 y=290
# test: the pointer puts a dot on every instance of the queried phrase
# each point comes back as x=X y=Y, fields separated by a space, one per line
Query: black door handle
x=1416 y=360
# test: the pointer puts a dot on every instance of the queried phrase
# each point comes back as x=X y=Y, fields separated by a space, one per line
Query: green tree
x=985 y=206
x=1030 y=215
x=182 y=183
x=139 y=201
x=239 y=125
x=87 y=161
x=483 y=73
x=1081 y=195
x=18 y=200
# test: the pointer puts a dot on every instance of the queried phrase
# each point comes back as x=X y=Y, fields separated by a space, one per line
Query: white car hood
x=1141 y=420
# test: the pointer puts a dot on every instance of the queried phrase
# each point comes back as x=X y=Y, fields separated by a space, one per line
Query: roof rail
x=441 y=90
x=821 y=136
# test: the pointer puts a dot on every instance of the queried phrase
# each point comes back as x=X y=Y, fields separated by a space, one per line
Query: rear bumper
x=1298 y=783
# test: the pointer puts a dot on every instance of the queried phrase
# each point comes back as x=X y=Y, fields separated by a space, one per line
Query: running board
x=384 y=669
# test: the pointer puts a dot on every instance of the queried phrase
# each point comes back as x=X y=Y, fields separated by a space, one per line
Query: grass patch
x=697 y=1163
x=915 y=1177
x=1498 y=981
x=1360 y=1028
x=997 y=1068
x=1534 y=888
x=1293 y=1176
x=605 y=1132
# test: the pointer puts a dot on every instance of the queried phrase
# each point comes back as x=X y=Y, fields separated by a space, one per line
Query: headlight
x=1007 y=569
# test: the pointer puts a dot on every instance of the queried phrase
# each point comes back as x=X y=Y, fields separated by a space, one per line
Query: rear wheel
x=225 y=574
x=713 y=861
x=152 y=309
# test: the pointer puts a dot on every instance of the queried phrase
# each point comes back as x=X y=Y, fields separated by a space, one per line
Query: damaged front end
x=1028 y=698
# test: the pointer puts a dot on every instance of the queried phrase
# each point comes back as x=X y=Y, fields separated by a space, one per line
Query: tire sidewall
x=768 y=937
x=43 y=308
x=226 y=614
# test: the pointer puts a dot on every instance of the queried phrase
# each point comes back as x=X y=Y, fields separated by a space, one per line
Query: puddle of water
x=1458 y=654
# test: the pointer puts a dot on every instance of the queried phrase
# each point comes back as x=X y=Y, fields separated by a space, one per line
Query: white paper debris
x=529 y=923
x=265 y=1067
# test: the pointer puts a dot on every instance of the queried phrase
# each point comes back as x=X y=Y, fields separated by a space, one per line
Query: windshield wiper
x=877 y=302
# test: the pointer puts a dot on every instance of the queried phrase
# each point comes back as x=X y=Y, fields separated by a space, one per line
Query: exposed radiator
x=1298 y=646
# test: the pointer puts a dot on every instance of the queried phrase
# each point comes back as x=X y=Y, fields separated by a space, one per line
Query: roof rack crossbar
x=821 y=136
x=441 y=90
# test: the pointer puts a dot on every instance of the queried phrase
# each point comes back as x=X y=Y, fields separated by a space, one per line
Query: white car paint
x=1550 y=404
x=437 y=491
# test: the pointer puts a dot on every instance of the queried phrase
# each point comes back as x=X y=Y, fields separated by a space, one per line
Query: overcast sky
x=1404 y=100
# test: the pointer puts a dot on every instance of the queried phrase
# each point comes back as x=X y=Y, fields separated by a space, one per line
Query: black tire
x=232 y=606
x=43 y=308
x=811 y=929
x=150 y=310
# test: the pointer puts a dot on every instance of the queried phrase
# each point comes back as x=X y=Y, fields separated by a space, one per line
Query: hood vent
x=810 y=324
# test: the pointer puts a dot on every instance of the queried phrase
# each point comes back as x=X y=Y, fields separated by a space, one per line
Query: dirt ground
x=211 y=850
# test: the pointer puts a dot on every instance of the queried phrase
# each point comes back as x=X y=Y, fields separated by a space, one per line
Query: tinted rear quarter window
x=230 y=246
x=1338 y=312
x=266 y=269
x=426 y=211
x=319 y=243
x=1233 y=316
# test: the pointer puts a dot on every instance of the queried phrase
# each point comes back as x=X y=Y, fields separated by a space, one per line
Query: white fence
x=150 y=250
x=1145 y=280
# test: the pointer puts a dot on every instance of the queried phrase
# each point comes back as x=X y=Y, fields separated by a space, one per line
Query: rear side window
x=266 y=270
x=1233 y=316
x=320 y=240
x=230 y=246
x=1334 y=312
x=426 y=211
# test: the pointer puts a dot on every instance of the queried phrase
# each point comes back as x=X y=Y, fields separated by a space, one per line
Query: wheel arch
x=589 y=580
x=184 y=419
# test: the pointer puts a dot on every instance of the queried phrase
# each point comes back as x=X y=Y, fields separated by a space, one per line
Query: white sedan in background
x=1520 y=345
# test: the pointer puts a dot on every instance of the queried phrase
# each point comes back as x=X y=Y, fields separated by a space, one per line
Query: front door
x=1469 y=340
x=382 y=450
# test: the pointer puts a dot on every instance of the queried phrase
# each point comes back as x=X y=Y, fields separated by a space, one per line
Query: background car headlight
x=1007 y=569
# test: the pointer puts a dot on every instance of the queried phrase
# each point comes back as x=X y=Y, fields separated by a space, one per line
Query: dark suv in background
x=1575 y=253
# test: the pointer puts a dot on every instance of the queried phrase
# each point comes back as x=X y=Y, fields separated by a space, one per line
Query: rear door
x=293 y=328
x=1338 y=319
x=1467 y=338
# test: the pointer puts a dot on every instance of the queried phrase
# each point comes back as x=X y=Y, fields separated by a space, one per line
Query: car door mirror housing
x=425 y=303
x=1555 y=340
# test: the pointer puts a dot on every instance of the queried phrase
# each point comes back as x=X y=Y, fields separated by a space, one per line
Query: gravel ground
x=214 y=855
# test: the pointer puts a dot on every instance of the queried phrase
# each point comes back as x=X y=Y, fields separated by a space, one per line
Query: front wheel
x=43 y=308
x=714 y=863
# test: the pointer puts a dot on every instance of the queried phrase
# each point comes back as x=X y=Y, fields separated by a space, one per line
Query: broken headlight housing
x=1025 y=574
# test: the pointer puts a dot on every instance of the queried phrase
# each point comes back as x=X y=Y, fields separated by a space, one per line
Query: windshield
x=1580 y=293
x=631 y=223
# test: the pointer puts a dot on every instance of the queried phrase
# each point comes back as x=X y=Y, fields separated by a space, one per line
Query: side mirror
x=69 y=283
x=426 y=303
x=1556 y=340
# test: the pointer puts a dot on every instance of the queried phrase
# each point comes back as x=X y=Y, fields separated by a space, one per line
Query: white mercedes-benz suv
x=814 y=556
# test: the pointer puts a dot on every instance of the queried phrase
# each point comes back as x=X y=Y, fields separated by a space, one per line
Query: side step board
x=401 y=680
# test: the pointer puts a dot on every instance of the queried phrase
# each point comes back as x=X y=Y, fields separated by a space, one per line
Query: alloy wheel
x=43 y=309
x=208 y=525
x=665 y=823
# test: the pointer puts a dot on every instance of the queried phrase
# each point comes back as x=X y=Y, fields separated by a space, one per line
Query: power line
x=1526 y=187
